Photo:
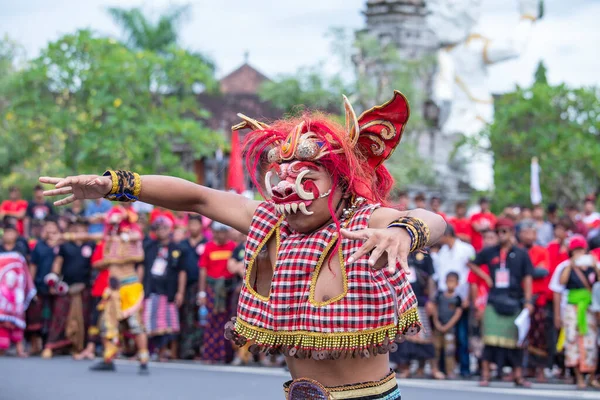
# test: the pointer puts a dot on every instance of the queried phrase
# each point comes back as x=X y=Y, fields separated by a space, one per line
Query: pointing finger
x=392 y=255
x=69 y=181
x=56 y=192
x=364 y=249
x=360 y=234
x=377 y=252
x=49 y=179
x=65 y=201
x=403 y=256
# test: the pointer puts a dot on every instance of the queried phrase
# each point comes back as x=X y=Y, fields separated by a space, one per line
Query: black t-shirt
x=77 y=267
x=43 y=257
x=239 y=252
x=421 y=270
x=517 y=263
x=162 y=265
x=446 y=306
x=190 y=257
x=589 y=274
x=39 y=210
x=21 y=247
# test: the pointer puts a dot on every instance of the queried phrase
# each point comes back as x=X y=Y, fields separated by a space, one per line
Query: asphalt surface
x=64 y=379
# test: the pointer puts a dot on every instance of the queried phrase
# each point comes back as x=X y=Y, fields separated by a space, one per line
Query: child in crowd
x=445 y=316
x=39 y=314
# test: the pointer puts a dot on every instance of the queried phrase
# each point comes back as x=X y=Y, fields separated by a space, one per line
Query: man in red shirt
x=557 y=248
x=15 y=207
x=216 y=286
x=541 y=339
x=482 y=221
x=460 y=223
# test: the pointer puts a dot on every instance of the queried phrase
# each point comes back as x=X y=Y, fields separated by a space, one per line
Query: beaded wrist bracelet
x=126 y=186
x=417 y=230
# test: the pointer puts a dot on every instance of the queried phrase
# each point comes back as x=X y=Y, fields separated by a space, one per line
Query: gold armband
x=126 y=186
x=416 y=228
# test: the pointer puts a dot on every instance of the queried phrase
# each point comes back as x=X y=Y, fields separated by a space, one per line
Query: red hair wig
x=348 y=169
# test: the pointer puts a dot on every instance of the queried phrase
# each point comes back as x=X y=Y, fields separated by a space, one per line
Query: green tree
x=309 y=88
x=557 y=124
x=142 y=33
x=12 y=57
x=159 y=35
x=369 y=70
x=89 y=103
x=540 y=74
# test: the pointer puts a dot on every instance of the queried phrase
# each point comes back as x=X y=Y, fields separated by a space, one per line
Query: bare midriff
x=340 y=372
x=121 y=271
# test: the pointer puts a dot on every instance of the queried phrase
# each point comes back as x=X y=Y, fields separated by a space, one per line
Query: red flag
x=235 y=179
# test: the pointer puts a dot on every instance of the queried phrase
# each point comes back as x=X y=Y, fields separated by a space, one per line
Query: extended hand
x=78 y=187
x=395 y=242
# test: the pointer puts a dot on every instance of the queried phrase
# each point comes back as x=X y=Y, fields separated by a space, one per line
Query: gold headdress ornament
x=375 y=134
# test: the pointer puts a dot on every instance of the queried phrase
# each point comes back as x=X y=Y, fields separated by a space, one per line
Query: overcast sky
x=281 y=36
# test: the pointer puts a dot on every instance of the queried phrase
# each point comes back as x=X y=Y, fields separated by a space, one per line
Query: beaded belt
x=303 y=389
x=129 y=280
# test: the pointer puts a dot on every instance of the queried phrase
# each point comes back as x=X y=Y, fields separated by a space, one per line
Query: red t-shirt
x=482 y=287
x=462 y=227
x=488 y=219
x=101 y=281
x=10 y=208
x=596 y=253
x=555 y=256
x=540 y=258
x=214 y=259
x=443 y=215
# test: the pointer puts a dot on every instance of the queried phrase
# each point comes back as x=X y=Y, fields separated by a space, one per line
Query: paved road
x=64 y=379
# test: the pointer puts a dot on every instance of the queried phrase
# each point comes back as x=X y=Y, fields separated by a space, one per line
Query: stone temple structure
x=404 y=24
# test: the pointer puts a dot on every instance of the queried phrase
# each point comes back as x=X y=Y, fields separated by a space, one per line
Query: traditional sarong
x=500 y=339
x=191 y=333
x=215 y=347
x=121 y=308
x=302 y=389
x=418 y=347
x=10 y=336
x=581 y=350
x=39 y=315
x=540 y=337
x=16 y=290
x=160 y=316
x=66 y=325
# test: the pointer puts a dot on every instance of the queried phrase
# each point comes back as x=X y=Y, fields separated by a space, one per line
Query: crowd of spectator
x=488 y=270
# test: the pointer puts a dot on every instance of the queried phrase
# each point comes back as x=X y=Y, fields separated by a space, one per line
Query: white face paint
x=452 y=20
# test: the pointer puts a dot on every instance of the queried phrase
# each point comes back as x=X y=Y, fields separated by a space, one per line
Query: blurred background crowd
x=203 y=256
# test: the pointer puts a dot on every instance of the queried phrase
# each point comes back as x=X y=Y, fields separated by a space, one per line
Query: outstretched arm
x=164 y=191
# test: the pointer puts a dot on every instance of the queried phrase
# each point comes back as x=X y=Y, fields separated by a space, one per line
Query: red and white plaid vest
x=376 y=307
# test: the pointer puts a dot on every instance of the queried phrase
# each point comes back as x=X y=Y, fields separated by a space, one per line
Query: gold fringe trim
x=328 y=341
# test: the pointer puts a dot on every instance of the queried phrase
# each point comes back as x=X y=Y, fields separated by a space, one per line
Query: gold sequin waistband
x=353 y=391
